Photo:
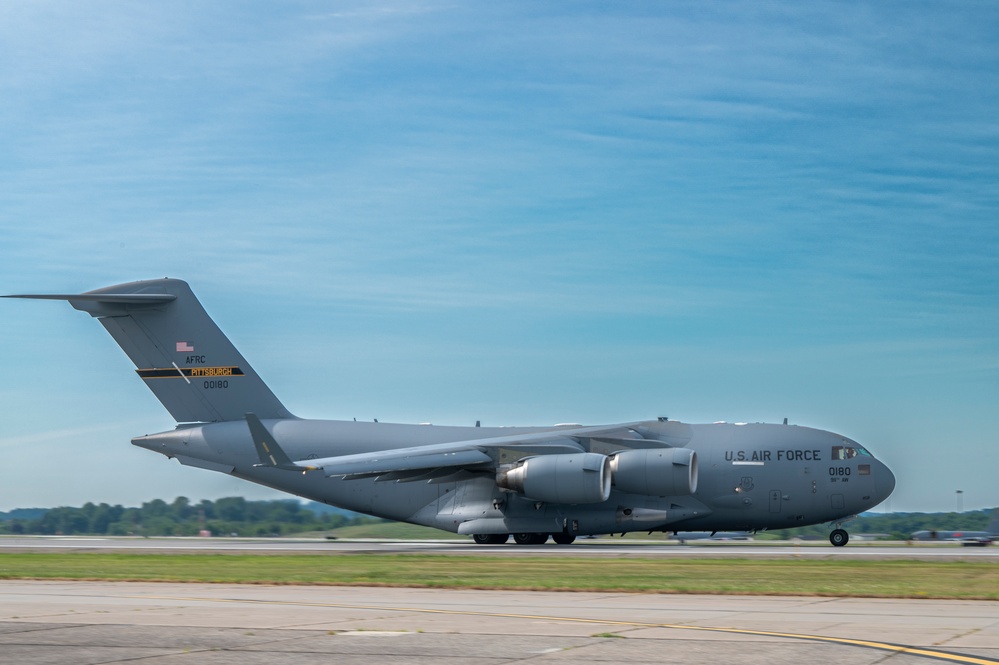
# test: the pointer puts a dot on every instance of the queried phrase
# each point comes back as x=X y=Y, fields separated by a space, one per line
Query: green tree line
x=227 y=516
x=236 y=515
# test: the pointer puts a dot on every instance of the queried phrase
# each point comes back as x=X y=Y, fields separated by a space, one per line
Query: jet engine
x=656 y=471
x=572 y=478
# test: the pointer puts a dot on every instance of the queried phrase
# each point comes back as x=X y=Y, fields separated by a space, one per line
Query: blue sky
x=518 y=213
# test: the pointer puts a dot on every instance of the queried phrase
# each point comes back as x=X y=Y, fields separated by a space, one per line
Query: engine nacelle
x=656 y=471
x=573 y=478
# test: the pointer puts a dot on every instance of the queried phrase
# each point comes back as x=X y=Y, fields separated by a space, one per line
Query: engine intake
x=573 y=478
x=656 y=471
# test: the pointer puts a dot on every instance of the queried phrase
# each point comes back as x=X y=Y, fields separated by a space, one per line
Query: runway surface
x=176 y=624
x=605 y=547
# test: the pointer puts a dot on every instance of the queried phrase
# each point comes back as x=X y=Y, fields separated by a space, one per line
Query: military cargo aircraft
x=535 y=483
x=990 y=535
x=964 y=537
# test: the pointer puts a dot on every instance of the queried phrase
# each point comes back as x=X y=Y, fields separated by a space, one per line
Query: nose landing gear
x=839 y=537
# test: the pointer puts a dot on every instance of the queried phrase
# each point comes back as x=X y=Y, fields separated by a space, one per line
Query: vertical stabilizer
x=188 y=363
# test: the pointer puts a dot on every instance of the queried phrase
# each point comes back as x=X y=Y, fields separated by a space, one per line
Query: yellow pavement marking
x=869 y=644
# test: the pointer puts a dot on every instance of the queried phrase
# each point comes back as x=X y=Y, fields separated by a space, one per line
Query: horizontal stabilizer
x=116 y=298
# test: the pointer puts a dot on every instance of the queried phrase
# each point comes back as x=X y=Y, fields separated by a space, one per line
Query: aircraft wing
x=402 y=460
x=419 y=461
x=486 y=453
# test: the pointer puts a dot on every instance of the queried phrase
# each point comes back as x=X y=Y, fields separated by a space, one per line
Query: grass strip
x=868 y=579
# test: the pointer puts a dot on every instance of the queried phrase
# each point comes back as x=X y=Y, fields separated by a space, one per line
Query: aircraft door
x=775 y=501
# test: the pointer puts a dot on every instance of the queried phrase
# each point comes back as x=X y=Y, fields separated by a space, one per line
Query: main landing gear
x=530 y=538
x=839 y=537
x=490 y=538
x=523 y=538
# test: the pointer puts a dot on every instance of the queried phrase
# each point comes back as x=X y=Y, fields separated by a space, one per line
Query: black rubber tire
x=490 y=538
x=563 y=538
x=839 y=538
x=530 y=538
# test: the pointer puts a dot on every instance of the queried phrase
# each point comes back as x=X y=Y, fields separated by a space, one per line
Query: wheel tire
x=563 y=538
x=490 y=538
x=530 y=538
x=839 y=538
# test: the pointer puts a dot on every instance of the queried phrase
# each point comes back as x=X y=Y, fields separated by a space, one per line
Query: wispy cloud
x=622 y=185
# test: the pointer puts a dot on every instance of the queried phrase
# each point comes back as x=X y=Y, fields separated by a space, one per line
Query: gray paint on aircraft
x=732 y=477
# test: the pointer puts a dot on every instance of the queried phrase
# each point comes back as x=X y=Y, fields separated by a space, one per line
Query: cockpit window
x=843 y=452
x=848 y=452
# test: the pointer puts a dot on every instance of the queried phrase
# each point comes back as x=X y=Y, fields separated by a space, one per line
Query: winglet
x=270 y=453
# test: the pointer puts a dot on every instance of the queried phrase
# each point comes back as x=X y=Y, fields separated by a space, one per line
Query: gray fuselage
x=751 y=476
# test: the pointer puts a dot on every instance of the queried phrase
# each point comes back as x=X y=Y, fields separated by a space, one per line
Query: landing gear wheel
x=490 y=538
x=530 y=538
x=563 y=538
x=839 y=538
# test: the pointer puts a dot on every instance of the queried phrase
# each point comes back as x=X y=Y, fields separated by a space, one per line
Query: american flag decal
x=184 y=347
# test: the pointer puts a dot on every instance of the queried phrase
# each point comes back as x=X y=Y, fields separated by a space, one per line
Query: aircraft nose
x=884 y=482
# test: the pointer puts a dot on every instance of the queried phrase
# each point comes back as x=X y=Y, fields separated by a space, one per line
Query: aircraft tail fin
x=180 y=353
